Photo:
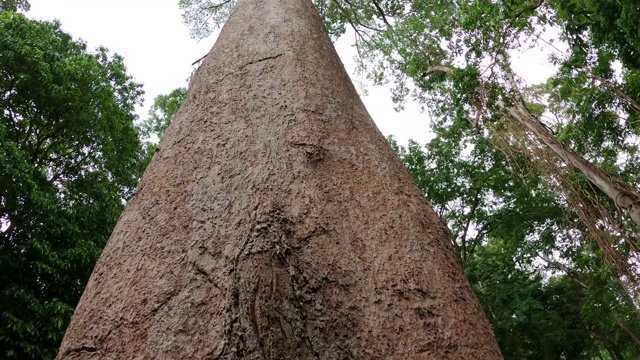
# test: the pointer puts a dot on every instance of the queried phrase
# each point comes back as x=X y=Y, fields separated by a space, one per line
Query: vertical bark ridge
x=276 y=223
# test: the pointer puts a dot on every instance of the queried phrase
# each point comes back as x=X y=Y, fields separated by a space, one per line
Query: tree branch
x=355 y=16
x=381 y=12
x=535 y=7
x=437 y=69
x=560 y=266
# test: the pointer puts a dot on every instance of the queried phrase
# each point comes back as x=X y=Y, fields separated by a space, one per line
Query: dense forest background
x=538 y=183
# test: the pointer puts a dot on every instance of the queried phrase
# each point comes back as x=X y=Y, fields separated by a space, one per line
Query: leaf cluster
x=14 y=5
x=162 y=112
x=69 y=154
x=546 y=293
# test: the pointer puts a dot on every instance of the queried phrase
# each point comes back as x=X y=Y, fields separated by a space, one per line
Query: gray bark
x=276 y=223
x=624 y=197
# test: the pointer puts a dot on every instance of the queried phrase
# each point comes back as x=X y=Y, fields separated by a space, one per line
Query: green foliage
x=204 y=16
x=546 y=294
x=162 y=112
x=611 y=25
x=69 y=154
x=531 y=318
x=14 y=5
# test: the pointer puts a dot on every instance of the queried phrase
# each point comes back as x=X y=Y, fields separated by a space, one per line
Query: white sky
x=158 y=52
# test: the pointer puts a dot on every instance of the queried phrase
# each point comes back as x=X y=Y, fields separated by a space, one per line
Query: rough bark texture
x=276 y=223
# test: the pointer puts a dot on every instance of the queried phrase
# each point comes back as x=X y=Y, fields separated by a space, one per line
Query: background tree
x=14 y=5
x=162 y=112
x=160 y=115
x=69 y=154
x=456 y=61
x=546 y=293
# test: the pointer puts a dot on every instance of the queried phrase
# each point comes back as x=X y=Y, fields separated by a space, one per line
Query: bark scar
x=80 y=349
x=263 y=59
x=314 y=153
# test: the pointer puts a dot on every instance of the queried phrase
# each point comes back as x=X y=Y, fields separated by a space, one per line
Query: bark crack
x=271 y=309
x=88 y=349
x=207 y=275
x=273 y=57
x=313 y=152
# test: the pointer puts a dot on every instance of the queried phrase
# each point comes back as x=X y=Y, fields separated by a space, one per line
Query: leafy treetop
x=69 y=154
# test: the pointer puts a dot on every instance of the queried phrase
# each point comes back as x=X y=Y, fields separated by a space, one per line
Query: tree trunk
x=625 y=198
x=623 y=195
x=275 y=222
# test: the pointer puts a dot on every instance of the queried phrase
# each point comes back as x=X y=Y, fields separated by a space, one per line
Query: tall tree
x=274 y=222
x=68 y=156
x=456 y=60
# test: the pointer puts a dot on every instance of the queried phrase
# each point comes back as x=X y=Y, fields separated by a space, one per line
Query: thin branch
x=535 y=7
x=467 y=224
x=437 y=69
x=197 y=61
x=215 y=7
x=476 y=239
x=355 y=16
x=560 y=266
x=381 y=12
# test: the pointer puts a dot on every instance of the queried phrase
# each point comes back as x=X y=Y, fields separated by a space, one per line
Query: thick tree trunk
x=276 y=223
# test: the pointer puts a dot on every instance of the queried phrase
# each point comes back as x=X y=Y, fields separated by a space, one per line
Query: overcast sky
x=158 y=52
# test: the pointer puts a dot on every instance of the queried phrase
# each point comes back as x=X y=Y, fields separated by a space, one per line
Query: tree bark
x=275 y=222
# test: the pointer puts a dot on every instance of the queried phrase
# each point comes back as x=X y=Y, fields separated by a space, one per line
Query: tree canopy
x=14 y=5
x=69 y=154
